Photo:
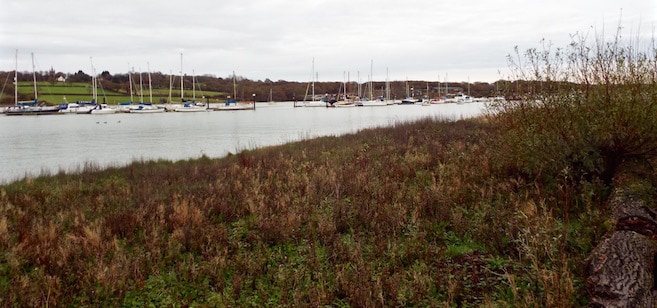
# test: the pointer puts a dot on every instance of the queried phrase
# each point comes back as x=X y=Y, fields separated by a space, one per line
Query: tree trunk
x=620 y=270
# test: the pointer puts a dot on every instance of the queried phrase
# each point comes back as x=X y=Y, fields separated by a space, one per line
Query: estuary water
x=34 y=145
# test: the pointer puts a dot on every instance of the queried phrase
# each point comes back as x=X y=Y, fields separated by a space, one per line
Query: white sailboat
x=147 y=107
x=372 y=101
x=170 y=105
x=345 y=101
x=461 y=98
x=271 y=98
x=232 y=103
x=312 y=102
x=124 y=107
x=387 y=94
x=98 y=108
x=189 y=106
x=426 y=101
x=28 y=107
x=183 y=105
x=102 y=109
x=72 y=108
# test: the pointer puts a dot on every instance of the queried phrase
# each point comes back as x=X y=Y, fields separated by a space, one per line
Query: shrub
x=578 y=113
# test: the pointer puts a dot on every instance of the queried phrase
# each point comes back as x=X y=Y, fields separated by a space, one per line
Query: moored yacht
x=461 y=98
x=102 y=109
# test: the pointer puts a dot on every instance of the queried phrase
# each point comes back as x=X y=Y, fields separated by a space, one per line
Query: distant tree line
x=280 y=90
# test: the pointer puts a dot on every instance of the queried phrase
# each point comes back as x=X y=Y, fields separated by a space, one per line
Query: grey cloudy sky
x=278 y=39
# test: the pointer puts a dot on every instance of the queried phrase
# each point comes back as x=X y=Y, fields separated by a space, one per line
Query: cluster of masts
x=93 y=107
x=341 y=99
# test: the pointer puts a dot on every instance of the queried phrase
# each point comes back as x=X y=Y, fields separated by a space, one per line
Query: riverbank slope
x=428 y=213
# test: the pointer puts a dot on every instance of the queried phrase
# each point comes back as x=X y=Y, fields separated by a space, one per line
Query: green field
x=71 y=92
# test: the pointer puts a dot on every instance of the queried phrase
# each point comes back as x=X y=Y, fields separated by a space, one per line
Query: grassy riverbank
x=425 y=214
x=498 y=211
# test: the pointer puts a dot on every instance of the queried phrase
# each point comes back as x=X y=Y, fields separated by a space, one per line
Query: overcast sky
x=278 y=39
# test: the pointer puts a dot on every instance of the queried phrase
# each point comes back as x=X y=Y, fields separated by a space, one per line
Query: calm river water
x=33 y=145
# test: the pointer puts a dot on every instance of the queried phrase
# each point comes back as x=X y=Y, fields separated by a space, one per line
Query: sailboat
x=387 y=98
x=271 y=97
x=312 y=102
x=183 y=105
x=372 y=102
x=410 y=96
x=125 y=107
x=98 y=108
x=147 y=107
x=28 y=107
x=232 y=103
x=171 y=106
x=346 y=101
x=190 y=106
x=463 y=98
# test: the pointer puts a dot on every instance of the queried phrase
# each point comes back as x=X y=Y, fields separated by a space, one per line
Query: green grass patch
x=56 y=93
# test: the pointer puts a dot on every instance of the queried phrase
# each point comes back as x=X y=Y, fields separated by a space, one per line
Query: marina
x=50 y=144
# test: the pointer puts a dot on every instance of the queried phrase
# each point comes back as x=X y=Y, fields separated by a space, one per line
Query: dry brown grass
x=419 y=214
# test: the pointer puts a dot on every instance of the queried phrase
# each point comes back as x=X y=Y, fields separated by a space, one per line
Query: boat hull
x=188 y=109
x=146 y=109
x=229 y=108
x=32 y=111
x=102 y=111
x=315 y=104
x=373 y=103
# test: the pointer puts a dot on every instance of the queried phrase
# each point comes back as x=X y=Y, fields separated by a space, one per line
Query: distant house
x=61 y=79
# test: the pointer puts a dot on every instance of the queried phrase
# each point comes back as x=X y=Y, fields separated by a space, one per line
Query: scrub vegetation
x=497 y=211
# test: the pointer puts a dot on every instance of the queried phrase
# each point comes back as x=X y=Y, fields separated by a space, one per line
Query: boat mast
x=313 y=83
x=141 y=88
x=170 y=84
x=36 y=97
x=407 y=93
x=359 y=88
x=150 y=84
x=193 y=86
x=130 y=80
x=182 y=89
x=94 y=94
x=16 y=81
x=345 y=86
x=387 y=85
x=371 y=77
x=468 y=85
x=234 y=87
